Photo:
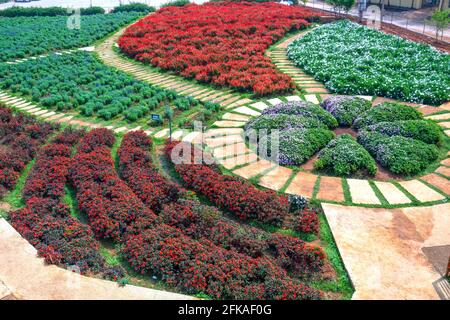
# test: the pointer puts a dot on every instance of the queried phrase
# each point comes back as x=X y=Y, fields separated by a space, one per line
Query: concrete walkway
x=383 y=250
x=25 y=276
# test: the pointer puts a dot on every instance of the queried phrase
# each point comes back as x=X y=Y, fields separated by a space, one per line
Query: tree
x=441 y=18
x=341 y=5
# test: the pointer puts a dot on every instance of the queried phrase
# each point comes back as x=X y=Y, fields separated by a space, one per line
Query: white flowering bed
x=353 y=59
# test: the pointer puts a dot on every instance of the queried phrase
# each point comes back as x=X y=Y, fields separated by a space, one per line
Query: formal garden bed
x=395 y=136
x=353 y=59
x=218 y=43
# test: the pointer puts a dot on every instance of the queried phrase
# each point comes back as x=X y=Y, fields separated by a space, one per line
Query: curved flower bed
x=396 y=135
x=219 y=43
x=203 y=222
x=352 y=59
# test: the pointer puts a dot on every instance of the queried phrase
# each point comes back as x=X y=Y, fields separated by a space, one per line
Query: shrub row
x=47 y=12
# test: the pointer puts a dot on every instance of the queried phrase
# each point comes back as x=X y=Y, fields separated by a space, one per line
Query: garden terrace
x=353 y=59
x=154 y=248
x=218 y=43
x=80 y=82
x=22 y=37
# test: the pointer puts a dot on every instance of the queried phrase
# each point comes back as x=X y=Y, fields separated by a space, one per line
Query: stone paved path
x=229 y=149
x=383 y=250
x=304 y=81
x=25 y=276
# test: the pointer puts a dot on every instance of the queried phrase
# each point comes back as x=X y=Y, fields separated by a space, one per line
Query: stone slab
x=311 y=98
x=259 y=105
x=230 y=150
x=421 y=191
x=361 y=192
x=235 y=117
x=382 y=249
x=274 y=101
x=218 y=132
x=230 y=163
x=446 y=162
x=443 y=116
x=392 y=194
x=223 y=141
x=162 y=133
x=247 y=111
x=439 y=182
x=275 y=179
x=445 y=124
x=193 y=137
x=330 y=189
x=302 y=184
x=229 y=124
x=444 y=171
x=254 y=169
x=293 y=98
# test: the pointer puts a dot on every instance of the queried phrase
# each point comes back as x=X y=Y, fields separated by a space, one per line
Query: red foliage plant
x=219 y=43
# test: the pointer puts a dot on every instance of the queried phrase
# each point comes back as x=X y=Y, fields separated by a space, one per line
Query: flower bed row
x=353 y=59
x=203 y=222
x=219 y=43
x=46 y=221
x=22 y=37
x=155 y=248
x=21 y=136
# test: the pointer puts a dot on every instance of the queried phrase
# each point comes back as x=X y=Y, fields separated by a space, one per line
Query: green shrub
x=298 y=145
x=305 y=109
x=343 y=156
x=282 y=122
x=345 y=108
x=47 y=12
x=175 y=3
x=425 y=130
x=399 y=154
x=387 y=112
x=134 y=7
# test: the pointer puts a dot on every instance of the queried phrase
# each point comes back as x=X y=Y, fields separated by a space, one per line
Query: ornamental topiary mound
x=423 y=130
x=282 y=122
x=343 y=156
x=303 y=108
x=399 y=154
x=386 y=112
x=345 y=109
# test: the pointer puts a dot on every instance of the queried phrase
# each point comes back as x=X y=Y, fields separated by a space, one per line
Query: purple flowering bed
x=395 y=135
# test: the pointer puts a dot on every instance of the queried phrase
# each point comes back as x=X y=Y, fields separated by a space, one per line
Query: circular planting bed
x=346 y=136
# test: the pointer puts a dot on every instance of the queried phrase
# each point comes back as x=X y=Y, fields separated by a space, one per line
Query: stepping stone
x=315 y=90
x=445 y=106
x=214 y=133
x=56 y=116
x=79 y=123
x=302 y=184
x=446 y=162
x=148 y=132
x=33 y=110
x=392 y=194
x=109 y=127
x=193 y=137
x=293 y=98
x=40 y=112
x=212 y=96
x=259 y=105
x=445 y=124
x=223 y=98
x=311 y=98
x=421 y=191
x=239 y=103
x=135 y=129
x=177 y=134
x=48 y=114
x=90 y=49
x=443 y=116
x=230 y=163
x=163 y=133
x=229 y=101
x=227 y=123
x=121 y=129
x=426 y=110
x=444 y=171
x=361 y=192
x=65 y=119
x=437 y=181
x=254 y=169
x=186 y=92
x=368 y=98
x=330 y=189
x=223 y=141
x=379 y=100
x=275 y=179
x=274 y=101
x=247 y=111
x=230 y=150
x=235 y=117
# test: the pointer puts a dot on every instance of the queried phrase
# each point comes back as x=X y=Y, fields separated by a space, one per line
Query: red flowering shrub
x=306 y=221
x=46 y=222
x=219 y=43
x=21 y=136
x=137 y=170
x=232 y=194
